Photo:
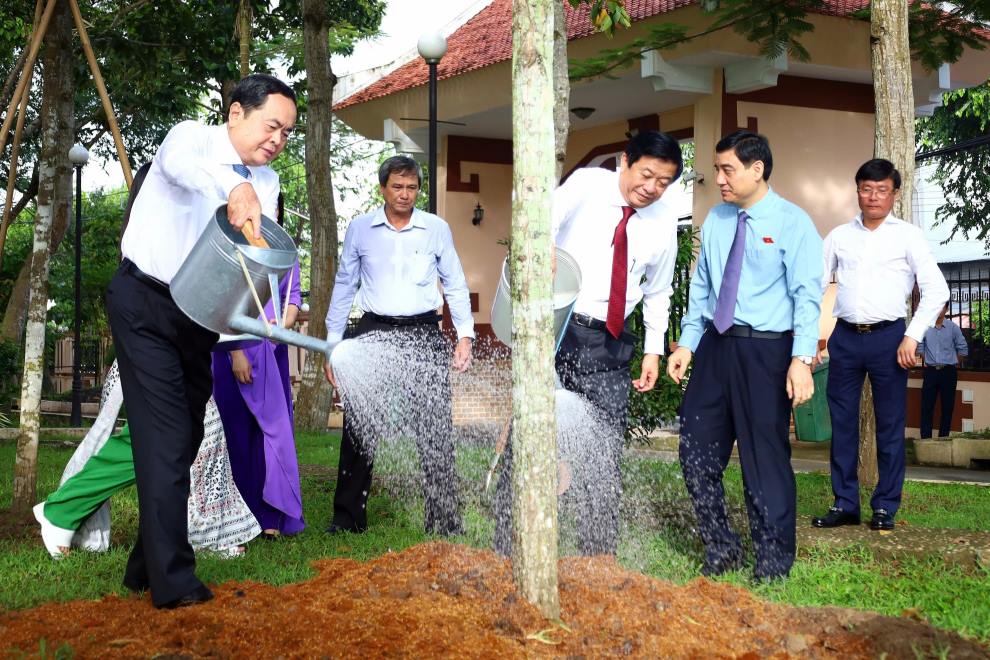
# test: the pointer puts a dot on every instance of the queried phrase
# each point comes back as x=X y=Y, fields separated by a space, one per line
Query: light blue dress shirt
x=943 y=345
x=395 y=272
x=780 y=284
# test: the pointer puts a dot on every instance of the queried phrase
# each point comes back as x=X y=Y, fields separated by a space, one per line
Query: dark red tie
x=616 y=318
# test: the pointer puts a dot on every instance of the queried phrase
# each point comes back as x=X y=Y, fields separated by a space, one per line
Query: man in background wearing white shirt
x=163 y=356
x=624 y=240
x=875 y=258
x=391 y=262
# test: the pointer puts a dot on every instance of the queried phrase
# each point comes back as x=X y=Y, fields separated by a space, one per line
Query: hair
x=252 y=91
x=132 y=194
x=655 y=144
x=749 y=147
x=878 y=169
x=399 y=165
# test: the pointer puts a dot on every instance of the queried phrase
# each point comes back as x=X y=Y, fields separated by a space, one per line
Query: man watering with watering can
x=164 y=357
x=625 y=244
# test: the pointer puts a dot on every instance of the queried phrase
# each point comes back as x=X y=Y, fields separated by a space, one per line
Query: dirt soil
x=439 y=599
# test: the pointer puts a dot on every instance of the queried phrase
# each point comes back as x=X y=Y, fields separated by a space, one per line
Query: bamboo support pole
x=94 y=67
x=15 y=152
x=15 y=148
x=36 y=38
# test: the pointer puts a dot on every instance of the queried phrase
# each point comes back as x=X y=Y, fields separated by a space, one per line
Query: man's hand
x=677 y=364
x=818 y=358
x=800 y=384
x=906 y=352
x=648 y=374
x=243 y=205
x=462 y=354
x=328 y=372
x=241 y=367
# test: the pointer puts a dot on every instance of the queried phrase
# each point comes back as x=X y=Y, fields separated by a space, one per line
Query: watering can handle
x=248 y=231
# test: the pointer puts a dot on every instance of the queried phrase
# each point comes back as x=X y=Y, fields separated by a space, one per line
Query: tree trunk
x=244 y=36
x=315 y=395
x=53 y=200
x=894 y=140
x=561 y=88
x=534 y=427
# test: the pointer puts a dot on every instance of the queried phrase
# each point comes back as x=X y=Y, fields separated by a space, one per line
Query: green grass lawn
x=657 y=539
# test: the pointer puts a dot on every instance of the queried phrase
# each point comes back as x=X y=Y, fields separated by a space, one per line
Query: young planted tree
x=534 y=435
x=894 y=140
x=53 y=201
x=315 y=394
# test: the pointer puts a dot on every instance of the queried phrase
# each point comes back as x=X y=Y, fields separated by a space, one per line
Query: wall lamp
x=479 y=215
x=695 y=176
x=583 y=112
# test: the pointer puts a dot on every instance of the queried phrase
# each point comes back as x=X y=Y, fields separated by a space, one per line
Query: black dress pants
x=938 y=384
x=435 y=447
x=164 y=361
x=737 y=395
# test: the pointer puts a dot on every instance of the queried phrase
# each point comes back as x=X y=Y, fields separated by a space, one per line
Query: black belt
x=866 y=328
x=938 y=367
x=128 y=266
x=418 y=319
x=748 y=331
x=587 y=321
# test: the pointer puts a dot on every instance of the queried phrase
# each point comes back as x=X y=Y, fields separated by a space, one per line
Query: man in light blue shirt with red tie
x=752 y=327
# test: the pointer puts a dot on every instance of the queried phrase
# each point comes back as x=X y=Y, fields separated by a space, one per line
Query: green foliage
x=649 y=410
x=102 y=217
x=606 y=15
x=979 y=318
x=964 y=175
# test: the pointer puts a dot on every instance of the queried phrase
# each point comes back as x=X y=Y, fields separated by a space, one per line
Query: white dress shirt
x=876 y=271
x=394 y=272
x=586 y=210
x=190 y=176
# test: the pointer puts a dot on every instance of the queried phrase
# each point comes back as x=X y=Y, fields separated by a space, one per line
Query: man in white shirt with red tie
x=163 y=356
x=876 y=259
x=624 y=240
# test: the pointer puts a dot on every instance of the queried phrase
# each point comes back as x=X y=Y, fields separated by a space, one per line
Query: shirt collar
x=418 y=218
x=763 y=207
x=223 y=149
x=890 y=219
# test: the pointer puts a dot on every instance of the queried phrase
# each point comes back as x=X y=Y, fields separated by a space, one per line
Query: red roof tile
x=486 y=39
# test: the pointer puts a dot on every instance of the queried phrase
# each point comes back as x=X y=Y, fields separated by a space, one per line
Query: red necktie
x=616 y=318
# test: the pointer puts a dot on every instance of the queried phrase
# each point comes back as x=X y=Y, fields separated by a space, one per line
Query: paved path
x=813 y=457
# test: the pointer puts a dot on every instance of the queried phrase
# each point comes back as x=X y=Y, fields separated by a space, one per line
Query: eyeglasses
x=880 y=193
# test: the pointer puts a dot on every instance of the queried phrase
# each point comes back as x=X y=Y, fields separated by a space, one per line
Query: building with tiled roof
x=817 y=114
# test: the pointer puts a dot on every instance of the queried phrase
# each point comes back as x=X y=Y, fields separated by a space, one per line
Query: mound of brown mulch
x=440 y=599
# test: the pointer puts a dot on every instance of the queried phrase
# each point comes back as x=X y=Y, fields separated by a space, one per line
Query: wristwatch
x=804 y=358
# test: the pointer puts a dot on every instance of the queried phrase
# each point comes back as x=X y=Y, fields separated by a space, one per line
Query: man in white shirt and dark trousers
x=624 y=240
x=942 y=348
x=163 y=356
x=391 y=262
x=876 y=259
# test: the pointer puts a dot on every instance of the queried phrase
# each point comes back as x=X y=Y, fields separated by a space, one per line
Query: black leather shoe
x=197 y=596
x=835 y=518
x=716 y=567
x=882 y=520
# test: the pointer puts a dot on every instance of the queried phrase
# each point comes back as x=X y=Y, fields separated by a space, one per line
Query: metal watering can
x=566 y=286
x=224 y=283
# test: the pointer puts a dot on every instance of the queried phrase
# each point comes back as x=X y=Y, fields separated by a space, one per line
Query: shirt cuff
x=335 y=337
x=916 y=330
x=228 y=179
x=465 y=330
x=689 y=339
x=804 y=345
x=653 y=343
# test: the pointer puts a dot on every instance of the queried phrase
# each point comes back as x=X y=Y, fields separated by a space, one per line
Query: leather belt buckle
x=864 y=328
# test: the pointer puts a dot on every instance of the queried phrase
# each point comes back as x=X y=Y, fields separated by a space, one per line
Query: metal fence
x=969 y=308
x=93 y=367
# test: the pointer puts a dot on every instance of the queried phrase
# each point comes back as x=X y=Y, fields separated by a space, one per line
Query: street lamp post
x=432 y=46
x=78 y=156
